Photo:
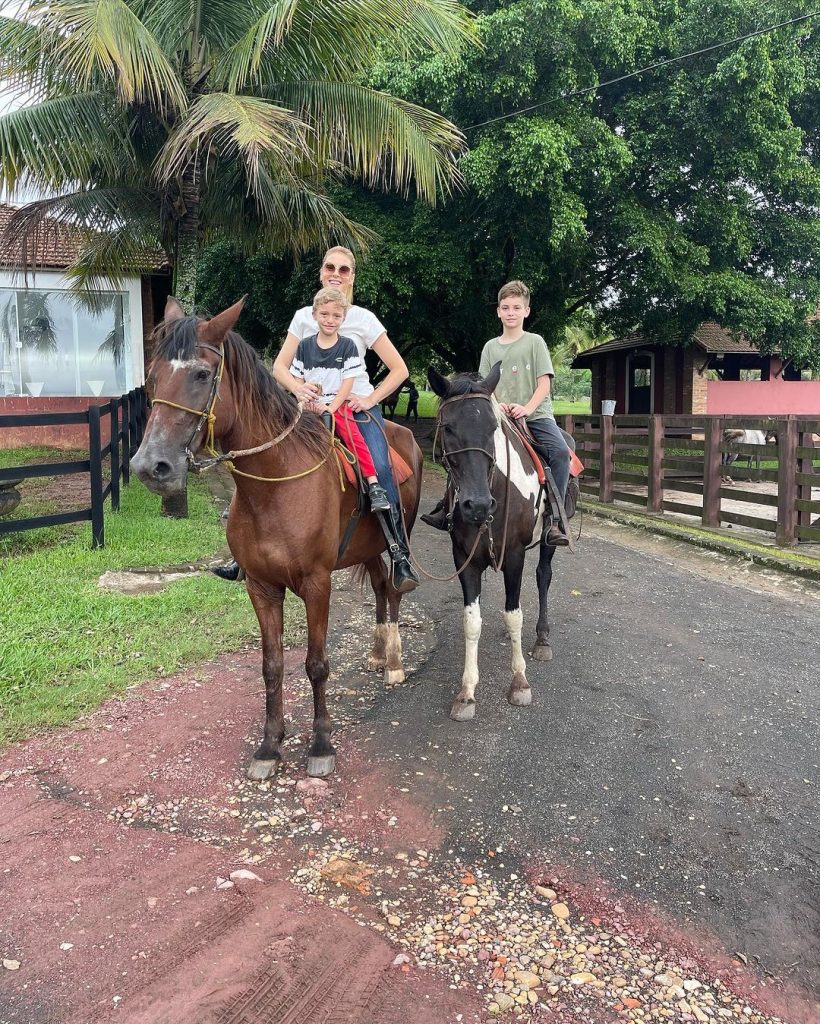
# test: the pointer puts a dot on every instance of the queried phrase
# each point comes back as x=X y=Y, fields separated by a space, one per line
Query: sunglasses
x=342 y=271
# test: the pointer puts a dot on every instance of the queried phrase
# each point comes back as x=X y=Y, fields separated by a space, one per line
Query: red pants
x=348 y=430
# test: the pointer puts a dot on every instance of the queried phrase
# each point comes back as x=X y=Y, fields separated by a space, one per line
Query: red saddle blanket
x=401 y=470
x=576 y=467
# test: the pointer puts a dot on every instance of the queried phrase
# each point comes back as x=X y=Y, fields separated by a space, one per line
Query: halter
x=207 y=415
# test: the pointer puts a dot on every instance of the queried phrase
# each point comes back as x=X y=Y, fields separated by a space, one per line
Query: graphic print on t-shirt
x=326 y=367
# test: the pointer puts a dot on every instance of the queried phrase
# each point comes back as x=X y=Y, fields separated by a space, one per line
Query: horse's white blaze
x=472 y=634
x=182 y=364
x=514 y=621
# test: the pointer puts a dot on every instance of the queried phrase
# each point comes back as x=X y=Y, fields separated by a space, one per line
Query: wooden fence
x=674 y=464
x=127 y=417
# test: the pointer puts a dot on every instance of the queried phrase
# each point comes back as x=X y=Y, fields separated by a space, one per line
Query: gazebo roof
x=710 y=337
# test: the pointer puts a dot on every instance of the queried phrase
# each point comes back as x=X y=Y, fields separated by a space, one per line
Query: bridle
x=497 y=563
x=208 y=416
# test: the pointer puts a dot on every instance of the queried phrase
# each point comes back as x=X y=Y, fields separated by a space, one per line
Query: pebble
x=11 y=965
x=547 y=894
x=561 y=911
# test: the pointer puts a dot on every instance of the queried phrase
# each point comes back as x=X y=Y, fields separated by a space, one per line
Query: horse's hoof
x=376 y=664
x=320 y=767
x=259 y=771
x=542 y=652
x=393 y=676
x=462 y=710
x=520 y=697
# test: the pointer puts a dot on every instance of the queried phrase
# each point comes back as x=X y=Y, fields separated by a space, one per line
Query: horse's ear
x=439 y=384
x=490 y=382
x=215 y=329
x=173 y=310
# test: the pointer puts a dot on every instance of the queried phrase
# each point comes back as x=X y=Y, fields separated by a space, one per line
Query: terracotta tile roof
x=709 y=337
x=57 y=248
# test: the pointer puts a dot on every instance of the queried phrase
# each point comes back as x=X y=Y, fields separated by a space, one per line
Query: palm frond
x=232 y=127
x=294 y=36
x=106 y=38
x=386 y=142
x=66 y=139
x=290 y=216
x=94 y=219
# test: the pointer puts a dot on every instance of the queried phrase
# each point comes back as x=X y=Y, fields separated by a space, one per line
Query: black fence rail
x=127 y=417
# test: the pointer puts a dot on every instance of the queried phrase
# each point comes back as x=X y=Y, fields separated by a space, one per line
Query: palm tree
x=158 y=124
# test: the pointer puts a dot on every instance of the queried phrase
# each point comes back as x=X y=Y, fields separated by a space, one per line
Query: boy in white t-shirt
x=332 y=363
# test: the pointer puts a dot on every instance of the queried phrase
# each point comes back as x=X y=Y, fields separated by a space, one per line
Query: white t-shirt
x=360 y=324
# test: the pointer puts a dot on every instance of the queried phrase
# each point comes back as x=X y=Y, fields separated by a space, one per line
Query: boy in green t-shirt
x=524 y=390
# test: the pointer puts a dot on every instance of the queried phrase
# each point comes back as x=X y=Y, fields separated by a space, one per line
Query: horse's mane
x=466 y=384
x=471 y=383
x=262 y=404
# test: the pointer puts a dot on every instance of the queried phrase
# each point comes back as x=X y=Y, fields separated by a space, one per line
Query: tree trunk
x=187 y=249
x=185 y=267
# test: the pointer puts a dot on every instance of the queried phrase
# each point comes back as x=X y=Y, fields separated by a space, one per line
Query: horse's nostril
x=162 y=471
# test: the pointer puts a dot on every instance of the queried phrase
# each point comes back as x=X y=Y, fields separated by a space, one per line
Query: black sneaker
x=229 y=571
x=379 y=501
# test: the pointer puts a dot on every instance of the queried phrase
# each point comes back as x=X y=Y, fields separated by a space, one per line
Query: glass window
x=53 y=344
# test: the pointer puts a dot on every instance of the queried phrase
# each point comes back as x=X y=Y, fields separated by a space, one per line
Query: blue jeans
x=371 y=424
x=550 y=443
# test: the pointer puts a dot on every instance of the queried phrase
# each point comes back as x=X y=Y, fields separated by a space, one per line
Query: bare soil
x=152 y=939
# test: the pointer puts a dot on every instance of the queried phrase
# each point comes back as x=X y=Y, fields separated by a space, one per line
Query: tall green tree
x=161 y=124
x=689 y=192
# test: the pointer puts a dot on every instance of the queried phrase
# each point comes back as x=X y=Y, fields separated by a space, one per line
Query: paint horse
x=498 y=513
x=289 y=510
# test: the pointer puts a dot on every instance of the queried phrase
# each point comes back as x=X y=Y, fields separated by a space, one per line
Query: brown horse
x=289 y=512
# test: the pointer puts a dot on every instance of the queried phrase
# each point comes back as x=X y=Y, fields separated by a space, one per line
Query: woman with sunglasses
x=338 y=270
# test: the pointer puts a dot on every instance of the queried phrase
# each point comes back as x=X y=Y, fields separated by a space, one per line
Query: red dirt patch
x=152 y=940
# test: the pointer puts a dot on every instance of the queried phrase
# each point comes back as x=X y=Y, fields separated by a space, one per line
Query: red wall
x=776 y=397
x=72 y=436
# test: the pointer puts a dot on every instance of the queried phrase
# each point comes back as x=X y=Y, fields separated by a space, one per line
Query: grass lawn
x=66 y=645
x=428 y=406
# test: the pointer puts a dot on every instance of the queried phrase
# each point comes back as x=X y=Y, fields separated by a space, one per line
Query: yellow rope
x=211 y=450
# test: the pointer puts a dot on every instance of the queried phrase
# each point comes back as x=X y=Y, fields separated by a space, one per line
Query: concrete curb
x=804 y=567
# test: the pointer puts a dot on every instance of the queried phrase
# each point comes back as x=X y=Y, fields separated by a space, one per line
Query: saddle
x=350 y=465
x=576 y=467
x=560 y=512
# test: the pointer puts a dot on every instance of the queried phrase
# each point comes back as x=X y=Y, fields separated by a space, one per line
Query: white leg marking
x=378 y=657
x=393 y=673
x=514 y=621
x=472 y=634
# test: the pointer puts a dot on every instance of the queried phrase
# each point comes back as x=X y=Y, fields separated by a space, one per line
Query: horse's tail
x=361 y=576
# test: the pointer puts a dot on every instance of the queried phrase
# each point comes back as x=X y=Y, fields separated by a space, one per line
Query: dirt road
x=640 y=844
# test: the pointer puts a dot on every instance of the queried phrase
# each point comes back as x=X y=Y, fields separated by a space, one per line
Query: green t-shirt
x=522 y=363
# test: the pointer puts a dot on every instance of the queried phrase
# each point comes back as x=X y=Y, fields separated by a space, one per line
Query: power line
x=641 y=71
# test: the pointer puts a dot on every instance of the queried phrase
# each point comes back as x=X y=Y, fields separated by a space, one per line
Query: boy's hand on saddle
x=315 y=407
x=306 y=393
x=516 y=411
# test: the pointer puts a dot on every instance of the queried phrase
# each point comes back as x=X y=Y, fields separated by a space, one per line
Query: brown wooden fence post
x=569 y=424
x=711 y=471
x=805 y=439
x=786 y=481
x=606 y=453
x=654 y=470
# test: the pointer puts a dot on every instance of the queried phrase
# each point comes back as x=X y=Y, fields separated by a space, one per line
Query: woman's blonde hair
x=347 y=289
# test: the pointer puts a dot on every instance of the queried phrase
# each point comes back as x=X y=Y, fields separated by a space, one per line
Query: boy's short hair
x=514 y=289
x=325 y=295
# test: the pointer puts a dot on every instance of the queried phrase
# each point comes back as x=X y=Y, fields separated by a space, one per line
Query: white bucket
x=608 y=407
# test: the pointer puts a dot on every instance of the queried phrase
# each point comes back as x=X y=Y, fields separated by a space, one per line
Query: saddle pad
x=401 y=470
x=576 y=467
